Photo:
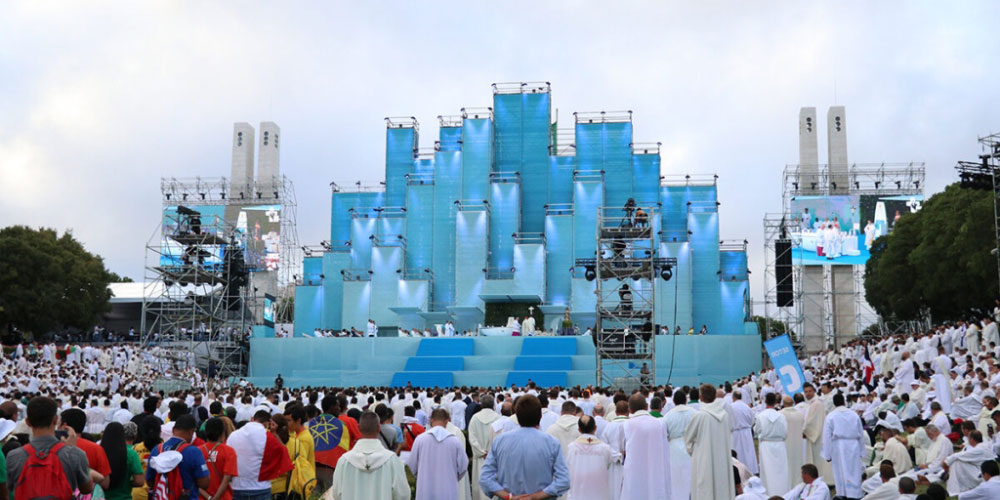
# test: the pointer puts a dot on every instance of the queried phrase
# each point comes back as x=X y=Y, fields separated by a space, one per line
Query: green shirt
x=3 y=469
x=123 y=490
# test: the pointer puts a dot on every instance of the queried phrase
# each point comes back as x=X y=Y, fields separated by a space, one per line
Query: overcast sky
x=98 y=100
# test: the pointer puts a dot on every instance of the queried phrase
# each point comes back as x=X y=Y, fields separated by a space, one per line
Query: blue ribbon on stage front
x=782 y=355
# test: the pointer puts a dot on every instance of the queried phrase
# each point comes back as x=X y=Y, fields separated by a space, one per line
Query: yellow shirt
x=301 y=449
x=141 y=493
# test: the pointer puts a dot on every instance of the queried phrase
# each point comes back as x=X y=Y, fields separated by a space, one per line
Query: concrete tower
x=808 y=152
x=241 y=175
x=836 y=140
x=268 y=167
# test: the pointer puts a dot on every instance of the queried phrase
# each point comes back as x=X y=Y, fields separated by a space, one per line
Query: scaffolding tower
x=823 y=296
x=625 y=270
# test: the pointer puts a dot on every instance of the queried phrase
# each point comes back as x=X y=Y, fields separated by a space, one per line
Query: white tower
x=242 y=169
x=268 y=167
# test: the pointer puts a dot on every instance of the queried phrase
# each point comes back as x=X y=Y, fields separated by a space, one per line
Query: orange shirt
x=221 y=461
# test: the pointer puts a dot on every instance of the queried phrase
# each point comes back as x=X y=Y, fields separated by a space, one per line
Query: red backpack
x=43 y=477
x=171 y=486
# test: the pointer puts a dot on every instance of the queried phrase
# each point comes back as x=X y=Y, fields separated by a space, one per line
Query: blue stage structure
x=486 y=361
x=499 y=211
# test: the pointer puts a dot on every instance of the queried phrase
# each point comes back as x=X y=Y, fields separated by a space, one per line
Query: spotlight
x=812 y=185
x=857 y=185
x=899 y=185
x=916 y=184
x=241 y=195
x=795 y=185
x=202 y=195
x=222 y=195
x=877 y=183
x=185 y=196
x=275 y=193
x=168 y=196
x=322 y=276
x=666 y=272
x=834 y=184
x=590 y=273
x=259 y=195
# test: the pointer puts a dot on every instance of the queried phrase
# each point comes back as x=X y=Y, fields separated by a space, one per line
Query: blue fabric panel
x=309 y=312
x=529 y=265
x=538 y=346
x=561 y=179
x=646 y=179
x=312 y=268
x=504 y=222
x=733 y=265
x=705 y=268
x=471 y=247
x=356 y=304
x=542 y=378
x=446 y=347
x=399 y=146
x=419 y=226
x=361 y=244
x=508 y=115
x=543 y=363
x=535 y=161
x=559 y=245
x=677 y=291
x=333 y=288
x=733 y=297
x=423 y=379
x=588 y=196
x=435 y=364
x=450 y=139
x=447 y=189
x=477 y=158
x=385 y=289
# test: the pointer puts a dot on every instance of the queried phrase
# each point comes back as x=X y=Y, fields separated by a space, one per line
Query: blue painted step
x=548 y=346
x=435 y=364
x=423 y=379
x=542 y=378
x=446 y=347
x=543 y=363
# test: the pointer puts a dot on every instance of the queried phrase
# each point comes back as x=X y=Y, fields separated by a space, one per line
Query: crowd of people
x=876 y=419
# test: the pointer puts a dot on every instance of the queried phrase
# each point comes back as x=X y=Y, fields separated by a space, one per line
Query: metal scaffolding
x=625 y=269
x=819 y=298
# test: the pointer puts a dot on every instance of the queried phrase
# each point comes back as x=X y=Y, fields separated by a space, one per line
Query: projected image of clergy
x=827 y=230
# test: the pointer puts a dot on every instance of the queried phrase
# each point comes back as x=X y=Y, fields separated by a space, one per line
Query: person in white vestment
x=964 y=467
x=844 y=441
x=480 y=439
x=771 y=429
x=438 y=460
x=614 y=436
x=889 y=489
x=677 y=420
x=989 y=489
x=753 y=490
x=589 y=462
x=893 y=449
x=812 y=487
x=565 y=428
x=708 y=440
x=742 y=421
x=991 y=334
x=972 y=338
x=796 y=421
x=647 y=454
x=369 y=470
x=812 y=433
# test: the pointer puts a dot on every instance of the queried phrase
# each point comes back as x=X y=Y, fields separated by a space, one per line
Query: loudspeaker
x=783 y=272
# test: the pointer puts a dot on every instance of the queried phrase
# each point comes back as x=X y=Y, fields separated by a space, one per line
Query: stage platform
x=486 y=361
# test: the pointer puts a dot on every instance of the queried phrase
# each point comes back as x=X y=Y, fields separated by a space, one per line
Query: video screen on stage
x=840 y=230
x=259 y=228
x=269 y=310
x=185 y=227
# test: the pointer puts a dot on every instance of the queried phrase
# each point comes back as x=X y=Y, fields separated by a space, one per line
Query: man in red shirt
x=76 y=419
x=221 y=460
x=352 y=425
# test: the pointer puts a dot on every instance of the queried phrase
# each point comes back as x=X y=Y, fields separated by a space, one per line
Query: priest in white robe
x=438 y=461
x=369 y=470
x=464 y=486
x=589 y=462
x=812 y=433
x=480 y=439
x=772 y=430
x=677 y=420
x=614 y=436
x=742 y=420
x=708 y=440
x=964 y=467
x=989 y=489
x=844 y=441
x=812 y=487
x=565 y=427
x=796 y=422
x=647 y=454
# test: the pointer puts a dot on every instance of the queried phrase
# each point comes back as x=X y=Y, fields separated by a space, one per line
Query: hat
x=6 y=427
x=914 y=382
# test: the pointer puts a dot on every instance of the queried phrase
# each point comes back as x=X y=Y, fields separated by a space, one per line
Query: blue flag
x=782 y=355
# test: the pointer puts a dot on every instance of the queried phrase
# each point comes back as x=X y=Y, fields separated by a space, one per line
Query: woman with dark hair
x=126 y=469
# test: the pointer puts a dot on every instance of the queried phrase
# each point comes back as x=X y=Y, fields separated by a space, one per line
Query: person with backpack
x=126 y=469
x=96 y=458
x=177 y=469
x=221 y=460
x=49 y=467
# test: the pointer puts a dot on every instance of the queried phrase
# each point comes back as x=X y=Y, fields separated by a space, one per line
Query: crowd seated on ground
x=878 y=418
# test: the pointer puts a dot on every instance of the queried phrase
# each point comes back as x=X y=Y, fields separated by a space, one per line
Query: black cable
x=673 y=344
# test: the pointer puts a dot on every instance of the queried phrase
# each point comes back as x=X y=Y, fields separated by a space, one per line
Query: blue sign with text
x=782 y=355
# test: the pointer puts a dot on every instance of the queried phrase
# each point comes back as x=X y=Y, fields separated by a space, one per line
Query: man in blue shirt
x=525 y=463
x=194 y=471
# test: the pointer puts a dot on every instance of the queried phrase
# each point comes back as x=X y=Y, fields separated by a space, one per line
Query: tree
x=48 y=281
x=936 y=261
x=777 y=329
